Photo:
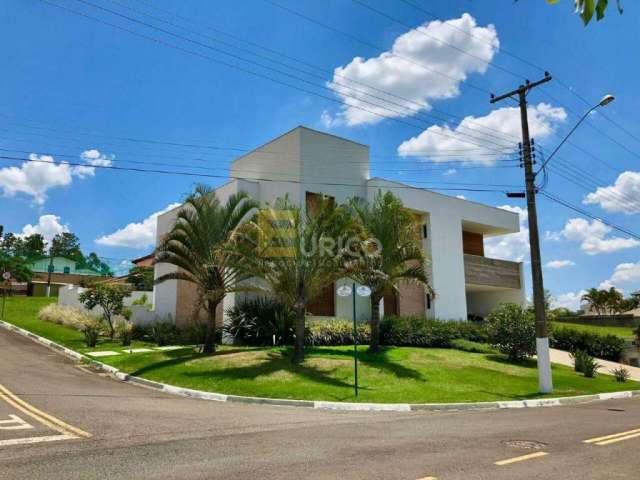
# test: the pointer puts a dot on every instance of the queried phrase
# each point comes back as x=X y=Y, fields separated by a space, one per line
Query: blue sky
x=71 y=85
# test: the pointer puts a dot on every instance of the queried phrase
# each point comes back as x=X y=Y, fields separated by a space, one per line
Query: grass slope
x=23 y=312
x=413 y=375
x=624 y=332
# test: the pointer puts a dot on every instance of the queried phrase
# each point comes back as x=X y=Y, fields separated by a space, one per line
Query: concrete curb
x=344 y=406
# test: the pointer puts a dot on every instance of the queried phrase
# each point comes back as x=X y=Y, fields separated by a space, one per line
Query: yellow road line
x=42 y=417
x=619 y=439
x=613 y=435
x=522 y=458
x=30 y=440
x=428 y=478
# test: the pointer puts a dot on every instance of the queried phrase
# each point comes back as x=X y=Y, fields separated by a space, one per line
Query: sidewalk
x=563 y=358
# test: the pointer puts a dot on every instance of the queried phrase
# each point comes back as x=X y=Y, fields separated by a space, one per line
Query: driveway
x=96 y=427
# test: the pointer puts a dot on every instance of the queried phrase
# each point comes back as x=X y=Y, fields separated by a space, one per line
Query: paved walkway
x=563 y=358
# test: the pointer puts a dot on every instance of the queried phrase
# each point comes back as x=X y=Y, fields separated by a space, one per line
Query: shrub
x=141 y=332
x=143 y=301
x=471 y=346
x=335 y=332
x=196 y=333
x=124 y=332
x=255 y=322
x=578 y=360
x=607 y=347
x=92 y=327
x=511 y=330
x=472 y=331
x=64 y=315
x=417 y=331
x=110 y=298
x=621 y=374
x=164 y=333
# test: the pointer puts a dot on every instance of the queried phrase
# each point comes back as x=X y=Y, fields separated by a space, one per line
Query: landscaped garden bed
x=395 y=375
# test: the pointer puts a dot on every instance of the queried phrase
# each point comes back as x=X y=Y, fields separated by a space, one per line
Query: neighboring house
x=146 y=261
x=304 y=164
x=64 y=271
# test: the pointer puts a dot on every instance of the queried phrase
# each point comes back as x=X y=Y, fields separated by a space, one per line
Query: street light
x=606 y=100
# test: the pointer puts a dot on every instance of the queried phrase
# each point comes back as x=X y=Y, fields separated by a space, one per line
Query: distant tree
x=10 y=243
x=613 y=303
x=630 y=303
x=141 y=278
x=110 y=298
x=67 y=245
x=94 y=262
x=595 y=299
x=33 y=246
x=17 y=266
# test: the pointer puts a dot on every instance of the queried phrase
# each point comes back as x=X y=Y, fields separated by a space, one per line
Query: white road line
x=30 y=440
x=522 y=458
x=14 y=423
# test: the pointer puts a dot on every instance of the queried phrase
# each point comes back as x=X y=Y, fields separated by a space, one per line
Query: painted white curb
x=386 y=407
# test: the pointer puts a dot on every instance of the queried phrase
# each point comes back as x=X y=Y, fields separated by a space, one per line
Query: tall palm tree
x=295 y=255
x=390 y=254
x=199 y=245
x=596 y=300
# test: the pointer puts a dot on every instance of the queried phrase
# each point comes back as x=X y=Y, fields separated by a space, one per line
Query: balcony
x=491 y=272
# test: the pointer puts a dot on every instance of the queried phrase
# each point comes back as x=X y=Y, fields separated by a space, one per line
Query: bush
x=585 y=363
x=141 y=332
x=164 y=333
x=196 y=333
x=416 y=331
x=471 y=346
x=511 y=330
x=92 y=327
x=124 y=332
x=607 y=347
x=335 y=332
x=63 y=315
x=255 y=322
x=621 y=374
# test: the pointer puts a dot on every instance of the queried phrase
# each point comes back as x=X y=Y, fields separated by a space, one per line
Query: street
x=58 y=420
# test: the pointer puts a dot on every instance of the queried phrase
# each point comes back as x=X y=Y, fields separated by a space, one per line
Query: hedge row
x=606 y=347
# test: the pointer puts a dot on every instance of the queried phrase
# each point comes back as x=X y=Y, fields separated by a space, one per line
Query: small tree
x=512 y=330
x=18 y=267
x=108 y=297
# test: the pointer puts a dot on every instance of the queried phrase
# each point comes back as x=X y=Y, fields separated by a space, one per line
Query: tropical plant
x=260 y=321
x=110 y=298
x=604 y=302
x=92 y=327
x=198 y=244
x=295 y=255
x=587 y=8
x=621 y=374
x=124 y=331
x=390 y=253
x=512 y=331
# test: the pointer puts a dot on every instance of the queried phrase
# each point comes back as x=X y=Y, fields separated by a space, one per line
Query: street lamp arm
x=606 y=100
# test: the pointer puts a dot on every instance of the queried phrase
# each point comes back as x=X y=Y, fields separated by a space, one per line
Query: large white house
x=304 y=163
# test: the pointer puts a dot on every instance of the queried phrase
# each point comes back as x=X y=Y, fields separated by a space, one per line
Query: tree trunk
x=374 y=323
x=298 y=346
x=210 y=336
x=112 y=330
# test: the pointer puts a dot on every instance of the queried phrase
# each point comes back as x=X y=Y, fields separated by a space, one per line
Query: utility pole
x=545 y=382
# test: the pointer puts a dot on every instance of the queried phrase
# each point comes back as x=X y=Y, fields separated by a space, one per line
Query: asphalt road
x=96 y=427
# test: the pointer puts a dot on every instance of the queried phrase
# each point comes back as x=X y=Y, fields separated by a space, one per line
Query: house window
x=67 y=270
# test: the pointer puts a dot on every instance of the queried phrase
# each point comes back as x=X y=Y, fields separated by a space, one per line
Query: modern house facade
x=304 y=164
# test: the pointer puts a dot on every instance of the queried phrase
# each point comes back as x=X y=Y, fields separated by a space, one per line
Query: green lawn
x=23 y=312
x=624 y=332
x=413 y=375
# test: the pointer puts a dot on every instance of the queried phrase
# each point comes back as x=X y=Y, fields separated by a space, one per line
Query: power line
x=565 y=203
x=324 y=87
x=205 y=175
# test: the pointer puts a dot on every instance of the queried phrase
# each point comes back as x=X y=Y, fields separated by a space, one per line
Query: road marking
x=428 y=478
x=619 y=439
x=521 y=458
x=42 y=417
x=598 y=440
x=31 y=440
x=14 y=423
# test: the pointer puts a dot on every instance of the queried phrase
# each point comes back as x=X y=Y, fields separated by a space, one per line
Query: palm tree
x=390 y=254
x=614 y=301
x=199 y=245
x=595 y=299
x=295 y=256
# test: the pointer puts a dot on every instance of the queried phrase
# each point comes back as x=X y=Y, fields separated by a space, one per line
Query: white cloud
x=135 y=235
x=97 y=159
x=48 y=226
x=328 y=121
x=624 y=273
x=514 y=246
x=593 y=237
x=502 y=122
x=449 y=172
x=623 y=196
x=557 y=264
x=37 y=177
x=570 y=300
x=391 y=73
